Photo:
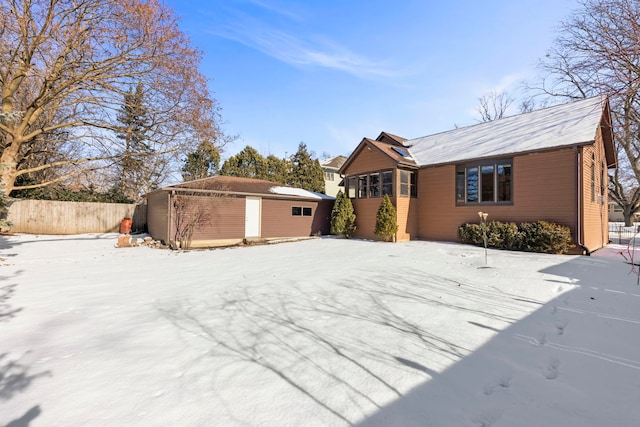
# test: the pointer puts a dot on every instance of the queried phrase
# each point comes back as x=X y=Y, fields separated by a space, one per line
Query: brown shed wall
x=158 y=215
x=277 y=220
x=595 y=231
x=544 y=188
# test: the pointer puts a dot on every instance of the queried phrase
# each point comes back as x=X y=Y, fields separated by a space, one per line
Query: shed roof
x=570 y=124
x=246 y=186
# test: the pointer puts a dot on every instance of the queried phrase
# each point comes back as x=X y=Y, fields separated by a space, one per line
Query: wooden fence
x=54 y=217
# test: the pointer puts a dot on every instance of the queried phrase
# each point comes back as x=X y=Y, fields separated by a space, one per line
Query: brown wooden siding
x=158 y=215
x=365 y=210
x=407 y=209
x=224 y=218
x=595 y=213
x=544 y=188
x=369 y=160
x=277 y=220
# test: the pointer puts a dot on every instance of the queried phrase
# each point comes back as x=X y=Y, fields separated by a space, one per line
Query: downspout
x=578 y=199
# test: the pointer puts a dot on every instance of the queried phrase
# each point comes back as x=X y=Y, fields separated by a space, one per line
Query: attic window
x=400 y=151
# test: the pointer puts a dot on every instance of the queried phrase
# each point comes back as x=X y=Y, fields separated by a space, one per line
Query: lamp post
x=483 y=223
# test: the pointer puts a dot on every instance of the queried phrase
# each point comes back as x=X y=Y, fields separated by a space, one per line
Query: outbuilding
x=225 y=210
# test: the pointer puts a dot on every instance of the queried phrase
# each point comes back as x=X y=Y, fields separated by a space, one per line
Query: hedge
x=539 y=236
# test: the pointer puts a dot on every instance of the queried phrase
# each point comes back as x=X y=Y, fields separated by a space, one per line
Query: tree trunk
x=628 y=218
x=8 y=164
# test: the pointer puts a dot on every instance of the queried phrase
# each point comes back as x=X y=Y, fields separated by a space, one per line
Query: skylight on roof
x=400 y=151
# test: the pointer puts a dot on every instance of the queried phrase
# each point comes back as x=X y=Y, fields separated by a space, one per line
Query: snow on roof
x=562 y=125
x=291 y=191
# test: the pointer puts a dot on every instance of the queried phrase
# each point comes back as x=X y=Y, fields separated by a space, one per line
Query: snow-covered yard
x=318 y=332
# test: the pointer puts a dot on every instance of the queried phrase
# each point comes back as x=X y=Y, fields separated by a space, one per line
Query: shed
x=225 y=210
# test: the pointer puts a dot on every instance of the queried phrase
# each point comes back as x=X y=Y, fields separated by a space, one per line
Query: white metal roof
x=561 y=125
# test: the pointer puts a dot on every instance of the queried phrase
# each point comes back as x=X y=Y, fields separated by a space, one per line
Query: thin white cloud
x=284 y=11
x=303 y=52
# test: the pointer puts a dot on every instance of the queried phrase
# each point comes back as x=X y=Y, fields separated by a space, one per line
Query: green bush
x=546 y=237
x=343 y=220
x=539 y=236
x=386 y=220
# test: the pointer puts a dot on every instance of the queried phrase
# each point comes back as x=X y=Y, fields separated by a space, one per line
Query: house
x=225 y=210
x=549 y=164
x=332 y=179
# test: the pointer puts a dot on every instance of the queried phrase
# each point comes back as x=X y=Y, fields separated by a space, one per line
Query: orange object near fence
x=125 y=225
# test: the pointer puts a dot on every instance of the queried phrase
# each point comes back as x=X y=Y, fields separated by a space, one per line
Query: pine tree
x=246 y=164
x=277 y=169
x=202 y=163
x=343 y=219
x=133 y=118
x=386 y=220
x=306 y=172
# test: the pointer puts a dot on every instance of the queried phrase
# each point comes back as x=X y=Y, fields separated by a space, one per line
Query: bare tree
x=195 y=207
x=65 y=68
x=598 y=52
x=494 y=105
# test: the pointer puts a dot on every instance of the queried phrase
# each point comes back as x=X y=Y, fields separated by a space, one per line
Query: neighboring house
x=228 y=209
x=616 y=215
x=549 y=164
x=332 y=179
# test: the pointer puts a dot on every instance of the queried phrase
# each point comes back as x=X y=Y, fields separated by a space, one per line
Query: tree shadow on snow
x=25 y=420
x=15 y=376
x=356 y=338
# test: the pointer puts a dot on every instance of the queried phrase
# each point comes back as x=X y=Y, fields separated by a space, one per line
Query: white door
x=252 y=217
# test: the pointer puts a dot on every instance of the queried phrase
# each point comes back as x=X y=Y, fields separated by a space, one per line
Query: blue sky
x=330 y=72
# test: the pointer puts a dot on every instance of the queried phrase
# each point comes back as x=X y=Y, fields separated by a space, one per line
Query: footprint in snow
x=487 y=419
x=502 y=383
x=561 y=325
x=550 y=369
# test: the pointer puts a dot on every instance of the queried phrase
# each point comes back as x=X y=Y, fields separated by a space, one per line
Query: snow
x=553 y=127
x=292 y=191
x=318 y=332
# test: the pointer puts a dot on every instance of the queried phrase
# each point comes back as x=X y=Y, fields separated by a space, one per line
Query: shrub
x=546 y=237
x=539 y=236
x=343 y=220
x=386 y=219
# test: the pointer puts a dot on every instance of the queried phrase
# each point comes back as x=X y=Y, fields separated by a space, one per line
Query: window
x=352 y=186
x=593 y=177
x=329 y=176
x=362 y=186
x=300 y=211
x=374 y=185
x=504 y=183
x=602 y=180
x=387 y=183
x=486 y=182
x=408 y=183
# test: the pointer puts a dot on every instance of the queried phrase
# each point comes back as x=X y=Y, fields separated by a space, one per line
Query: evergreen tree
x=277 y=169
x=306 y=172
x=202 y=163
x=246 y=164
x=386 y=220
x=343 y=219
x=133 y=117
